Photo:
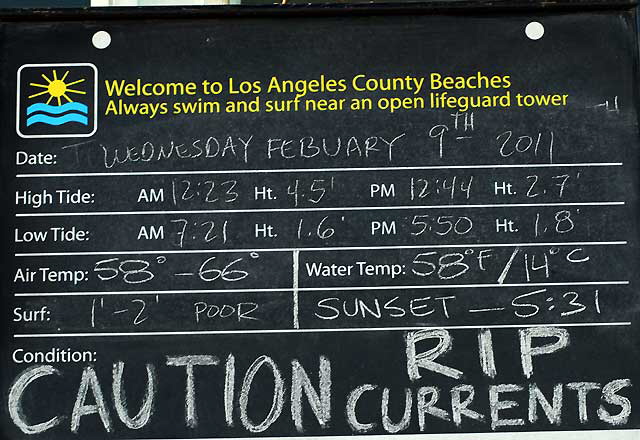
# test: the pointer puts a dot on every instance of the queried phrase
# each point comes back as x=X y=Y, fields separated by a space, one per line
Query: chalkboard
x=328 y=221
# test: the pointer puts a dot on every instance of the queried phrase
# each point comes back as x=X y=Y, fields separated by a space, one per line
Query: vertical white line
x=296 y=266
x=505 y=271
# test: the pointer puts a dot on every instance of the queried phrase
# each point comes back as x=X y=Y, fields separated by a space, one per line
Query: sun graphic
x=57 y=88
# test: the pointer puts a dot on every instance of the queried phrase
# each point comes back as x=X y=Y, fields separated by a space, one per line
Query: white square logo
x=57 y=100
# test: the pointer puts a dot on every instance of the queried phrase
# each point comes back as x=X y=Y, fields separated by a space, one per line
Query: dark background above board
x=54 y=4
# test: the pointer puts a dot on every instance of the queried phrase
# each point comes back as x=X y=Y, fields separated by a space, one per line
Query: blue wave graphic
x=57 y=109
x=57 y=120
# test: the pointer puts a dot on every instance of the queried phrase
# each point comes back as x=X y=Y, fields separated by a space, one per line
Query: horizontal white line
x=610 y=434
x=311 y=330
x=343 y=208
x=320 y=249
x=151 y=292
x=319 y=289
x=311 y=170
x=493 y=309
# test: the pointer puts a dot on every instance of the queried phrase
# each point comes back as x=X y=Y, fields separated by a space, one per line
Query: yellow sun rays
x=57 y=88
x=38 y=94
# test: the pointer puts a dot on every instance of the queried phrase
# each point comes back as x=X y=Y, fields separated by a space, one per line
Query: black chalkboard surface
x=334 y=221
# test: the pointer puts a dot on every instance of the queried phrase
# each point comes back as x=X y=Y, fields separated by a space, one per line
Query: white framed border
x=95 y=101
x=613 y=434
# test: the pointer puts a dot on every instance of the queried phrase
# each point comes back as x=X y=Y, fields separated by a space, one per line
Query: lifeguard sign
x=414 y=221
